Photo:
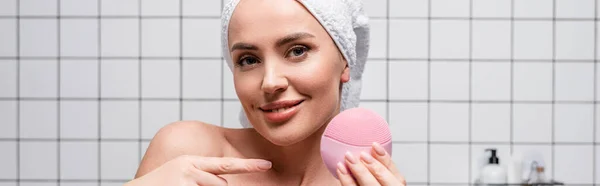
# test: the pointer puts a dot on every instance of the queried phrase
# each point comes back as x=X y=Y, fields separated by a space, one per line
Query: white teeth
x=280 y=109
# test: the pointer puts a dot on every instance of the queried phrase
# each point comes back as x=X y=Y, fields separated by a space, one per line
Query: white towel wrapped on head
x=348 y=25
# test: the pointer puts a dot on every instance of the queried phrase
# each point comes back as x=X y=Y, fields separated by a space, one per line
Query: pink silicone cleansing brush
x=353 y=130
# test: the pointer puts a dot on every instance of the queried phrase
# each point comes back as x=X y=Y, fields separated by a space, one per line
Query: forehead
x=262 y=20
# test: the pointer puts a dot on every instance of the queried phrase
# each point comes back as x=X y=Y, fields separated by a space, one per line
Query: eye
x=249 y=60
x=298 y=51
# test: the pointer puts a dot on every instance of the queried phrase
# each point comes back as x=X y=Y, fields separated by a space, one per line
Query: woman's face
x=288 y=70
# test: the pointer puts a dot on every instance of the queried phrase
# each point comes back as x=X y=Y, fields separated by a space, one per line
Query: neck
x=300 y=163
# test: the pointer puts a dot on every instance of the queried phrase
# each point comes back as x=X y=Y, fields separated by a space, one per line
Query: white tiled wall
x=81 y=95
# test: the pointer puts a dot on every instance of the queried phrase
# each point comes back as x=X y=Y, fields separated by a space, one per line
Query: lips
x=274 y=106
x=281 y=111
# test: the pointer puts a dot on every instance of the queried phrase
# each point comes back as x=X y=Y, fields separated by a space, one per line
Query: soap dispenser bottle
x=493 y=173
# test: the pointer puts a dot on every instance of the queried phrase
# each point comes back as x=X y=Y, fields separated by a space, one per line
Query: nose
x=274 y=80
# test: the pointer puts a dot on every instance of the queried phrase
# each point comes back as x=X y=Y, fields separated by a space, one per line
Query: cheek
x=319 y=78
x=245 y=86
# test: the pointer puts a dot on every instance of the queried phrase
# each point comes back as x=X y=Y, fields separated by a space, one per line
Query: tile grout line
x=594 y=109
x=470 y=108
x=429 y=92
x=395 y=142
x=370 y=17
x=140 y=107
x=235 y=99
x=18 y=90
x=222 y=100
x=553 y=106
x=387 y=63
x=180 y=60
x=512 y=68
x=373 y=60
x=99 y=106
x=58 y=104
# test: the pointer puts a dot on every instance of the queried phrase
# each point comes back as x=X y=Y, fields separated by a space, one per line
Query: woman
x=294 y=69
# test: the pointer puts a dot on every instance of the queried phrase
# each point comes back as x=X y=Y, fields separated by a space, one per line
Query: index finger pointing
x=217 y=165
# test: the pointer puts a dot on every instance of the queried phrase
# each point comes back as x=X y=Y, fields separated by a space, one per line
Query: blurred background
x=85 y=84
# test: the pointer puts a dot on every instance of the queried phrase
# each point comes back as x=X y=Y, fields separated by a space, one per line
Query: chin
x=286 y=135
x=289 y=133
x=284 y=141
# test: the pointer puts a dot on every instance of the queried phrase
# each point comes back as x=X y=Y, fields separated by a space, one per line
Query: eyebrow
x=293 y=37
x=243 y=46
x=282 y=41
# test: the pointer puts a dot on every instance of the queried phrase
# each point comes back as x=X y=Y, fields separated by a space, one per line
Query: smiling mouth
x=282 y=109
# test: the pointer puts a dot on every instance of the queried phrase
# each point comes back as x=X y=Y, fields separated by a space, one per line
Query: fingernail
x=264 y=164
x=378 y=149
x=367 y=158
x=351 y=158
x=342 y=168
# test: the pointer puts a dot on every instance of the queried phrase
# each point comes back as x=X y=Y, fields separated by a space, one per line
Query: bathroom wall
x=85 y=84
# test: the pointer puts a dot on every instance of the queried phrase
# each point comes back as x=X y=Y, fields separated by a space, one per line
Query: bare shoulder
x=182 y=138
